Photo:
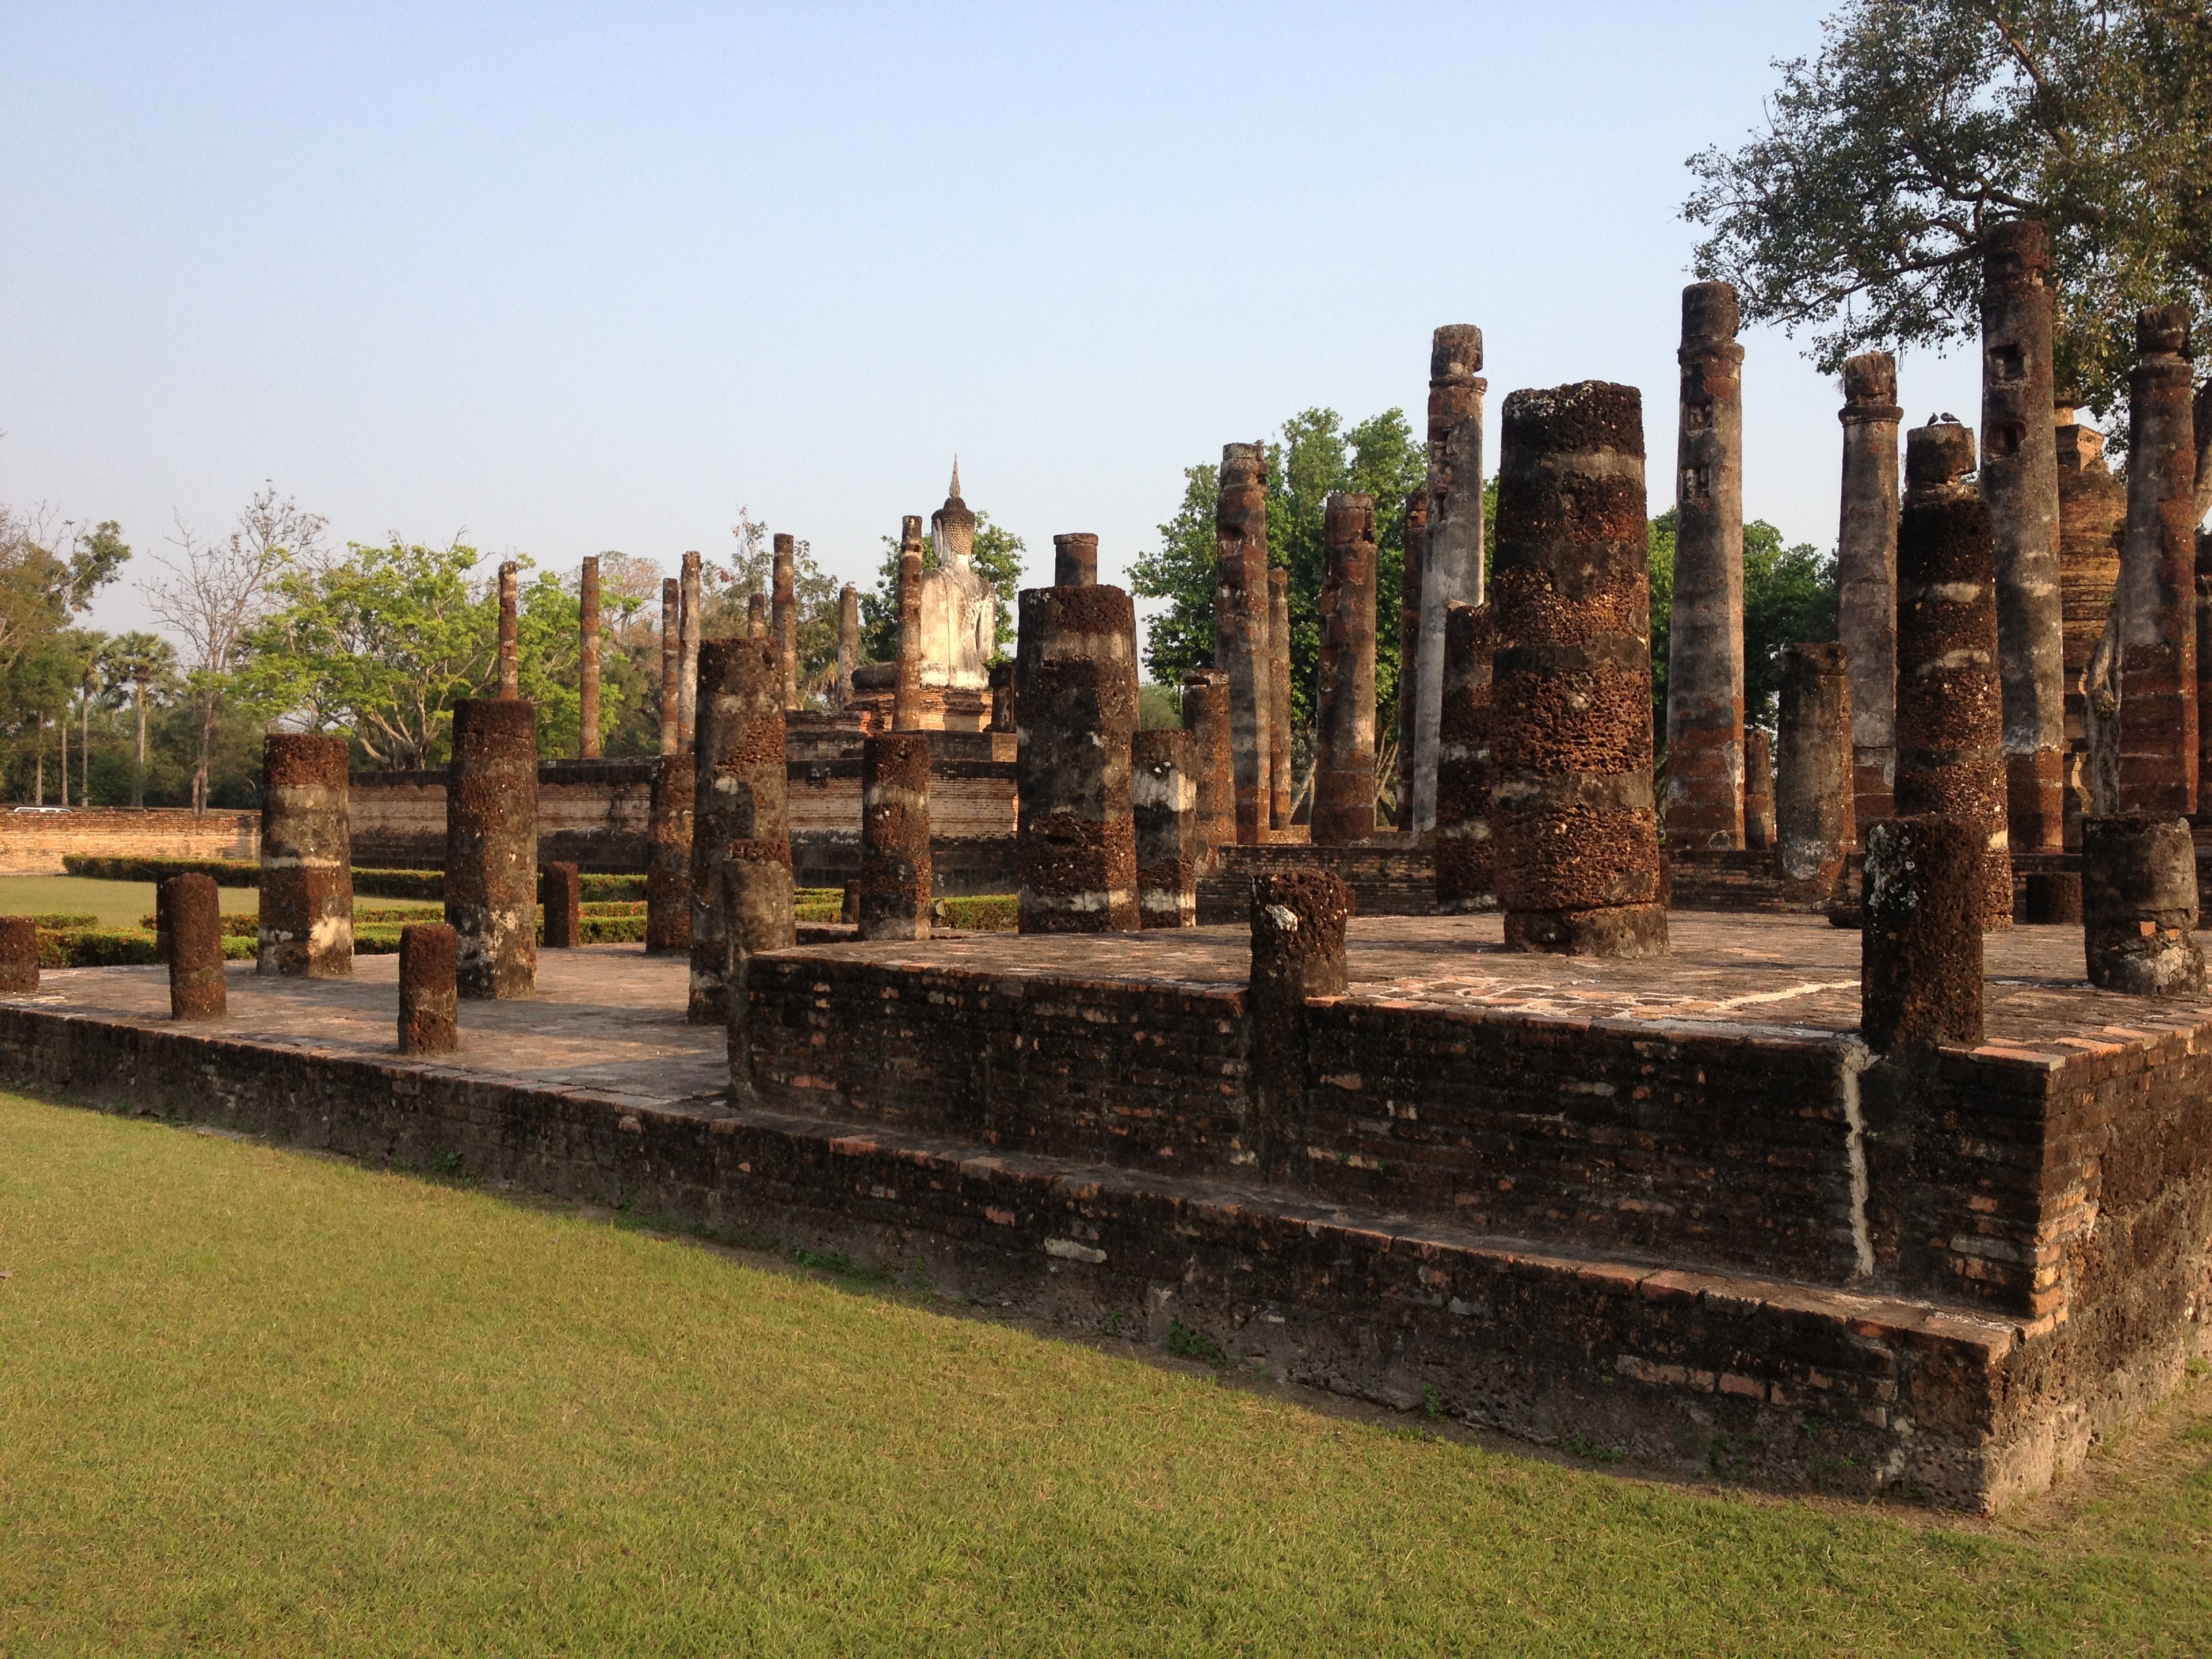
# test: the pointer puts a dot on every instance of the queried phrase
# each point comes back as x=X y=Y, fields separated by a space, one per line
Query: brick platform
x=1663 y=1205
x=1386 y=877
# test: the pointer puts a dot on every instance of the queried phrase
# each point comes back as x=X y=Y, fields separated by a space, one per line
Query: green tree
x=1859 y=209
x=814 y=591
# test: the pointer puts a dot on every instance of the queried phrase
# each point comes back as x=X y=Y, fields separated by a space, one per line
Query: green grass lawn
x=117 y=903
x=255 y=1401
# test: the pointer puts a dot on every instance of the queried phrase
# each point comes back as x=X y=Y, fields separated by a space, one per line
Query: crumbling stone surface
x=429 y=995
x=671 y=666
x=19 y=956
x=783 y=613
x=307 y=857
x=1866 y=579
x=2053 y=897
x=1172 y=846
x=1465 y=879
x=1002 y=697
x=687 y=700
x=510 y=661
x=196 y=980
x=1451 y=564
x=1759 y=830
x=1213 y=762
x=756 y=904
x=739 y=801
x=756 y=616
x=668 y=874
x=2092 y=508
x=2154 y=610
x=1920 y=965
x=848 y=641
x=1950 y=712
x=1298 y=919
x=1574 y=829
x=895 y=875
x=1814 y=822
x=587 y=672
x=491 y=846
x=1344 y=761
x=1076 y=698
x=1704 y=658
x=561 y=892
x=906 y=706
x=1240 y=612
x=1409 y=649
x=2139 y=906
x=1279 y=699
x=1075 y=560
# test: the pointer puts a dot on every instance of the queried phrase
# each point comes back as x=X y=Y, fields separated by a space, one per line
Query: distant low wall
x=593 y=814
x=32 y=843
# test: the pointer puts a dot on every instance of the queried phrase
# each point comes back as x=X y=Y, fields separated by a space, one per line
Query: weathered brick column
x=196 y=981
x=668 y=870
x=1279 y=780
x=756 y=616
x=19 y=956
x=1451 y=571
x=1704 y=656
x=1002 y=697
x=1920 y=951
x=848 y=641
x=1076 y=697
x=2155 y=610
x=1075 y=560
x=1866 y=578
x=755 y=901
x=1573 y=828
x=894 y=874
x=1344 y=757
x=1407 y=693
x=1213 y=765
x=1950 y=707
x=587 y=657
x=429 y=995
x=1466 y=880
x=687 y=698
x=672 y=667
x=1298 y=920
x=906 y=696
x=561 y=892
x=2139 y=906
x=491 y=848
x=1241 y=609
x=1815 y=827
x=783 y=613
x=2020 y=482
x=740 y=814
x=2091 y=507
x=1759 y=831
x=1170 y=849
x=307 y=857
x=510 y=661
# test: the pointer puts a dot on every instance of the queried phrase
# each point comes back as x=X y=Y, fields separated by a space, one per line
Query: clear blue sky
x=570 y=279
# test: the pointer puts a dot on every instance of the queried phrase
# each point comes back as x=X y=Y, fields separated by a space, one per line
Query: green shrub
x=399 y=884
x=48 y=920
x=986 y=913
x=121 y=947
x=614 y=888
x=235 y=925
x=227 y=872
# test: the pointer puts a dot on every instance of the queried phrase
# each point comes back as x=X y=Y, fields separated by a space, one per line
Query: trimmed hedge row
x=120 y=947
x=427 y=884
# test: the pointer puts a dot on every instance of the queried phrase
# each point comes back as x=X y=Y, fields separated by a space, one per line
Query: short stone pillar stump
x=430 y=993
x=2139 y=906
x=19 y=957
x=560 y=891
x=491 y=846
x=1920 y=951
x=307 y=857
x=196 y=989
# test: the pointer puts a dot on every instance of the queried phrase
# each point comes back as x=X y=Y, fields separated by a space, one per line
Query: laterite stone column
x=895 y=875
x=2020 y=483
x=1815 y=827
x=1076 y=697
x=1075 y=560
x=2092 y=505
x=687 y=696
x=906 y=696
x=561 y=892
x=740 y=815
x=1704 y=656
x=1298 y=919
x=2154 y=611
x=848 y=641
x=1409 y=649
x=672 y=667
x=307 y=857
x=783 y=613
x=1170 y=849
x=1467 y=879
x=429 y=992
x=588 y=658
x=1950 y=707
x=668 y=873
x=1574 y=826
x=1866 y=578
x=1002 y=697
x=1344 y=759
x=491 y=848
x=754 y=900
x=196 y=979
x=2139 y=906
x=510 y=659
x=1213 y=766
x=1279 y=700
x=1452 y=561
x=19 y=956
x=1241 y=609
x=1759 y=830
x=756 y=616
x=1920 y=951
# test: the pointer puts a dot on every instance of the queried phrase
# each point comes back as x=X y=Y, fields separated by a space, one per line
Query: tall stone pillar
x=687 y=698
x=784 y=614
x=906 y=696
x=491 y=848
x=1866 y=578
x=1573 y=828
x=2154 y=611
x=895 y=874
x=1704 y=655
x=510 y=659
x=740 y=817
x=848 y=641
x=1815 y=825
x=668 y=873
x=2091 y=507
x=2020 y=482
x=756 y=616
x=1163 y=801
x=1075 y=560
x=1213 y=765
x=1950 y=705
x=1241 y=610
x=671 y=666
x=587 y=656
x=1452 y=561
x=1466 y=878
x=307 y=857
x=1409 y=649
x=1075 y=695
x=1344 y=756
x=1280 y=782
x=1759 y=830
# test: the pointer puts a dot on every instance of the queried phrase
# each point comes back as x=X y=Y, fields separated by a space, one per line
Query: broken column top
x=1586 y=416
x=1936 y=456
x=1454 y=354
x=2016 y=251
x=1243 y=466
x=1075 y=559
x=1870 y=385
x=1709 y=312
x=2162 y=331
x=784 y=544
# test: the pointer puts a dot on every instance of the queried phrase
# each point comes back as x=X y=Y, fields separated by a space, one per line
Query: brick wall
x=32 y=843
x=1386 y=880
